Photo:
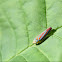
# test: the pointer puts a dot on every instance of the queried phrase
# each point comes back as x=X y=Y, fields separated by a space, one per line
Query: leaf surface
x=21 y=21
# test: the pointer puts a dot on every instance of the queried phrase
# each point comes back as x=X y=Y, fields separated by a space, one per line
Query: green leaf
x=21 y=21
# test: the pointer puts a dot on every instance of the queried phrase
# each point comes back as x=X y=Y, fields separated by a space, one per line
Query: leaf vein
x=46 y=13
x=43 y=53
x=8 y=20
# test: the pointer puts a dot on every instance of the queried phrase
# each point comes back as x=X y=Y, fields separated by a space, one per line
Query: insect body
x=42 y=35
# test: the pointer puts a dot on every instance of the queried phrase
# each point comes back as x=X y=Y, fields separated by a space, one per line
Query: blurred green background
x=21 y=21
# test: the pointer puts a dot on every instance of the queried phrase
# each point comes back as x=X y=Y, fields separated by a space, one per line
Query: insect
x=41 y=36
